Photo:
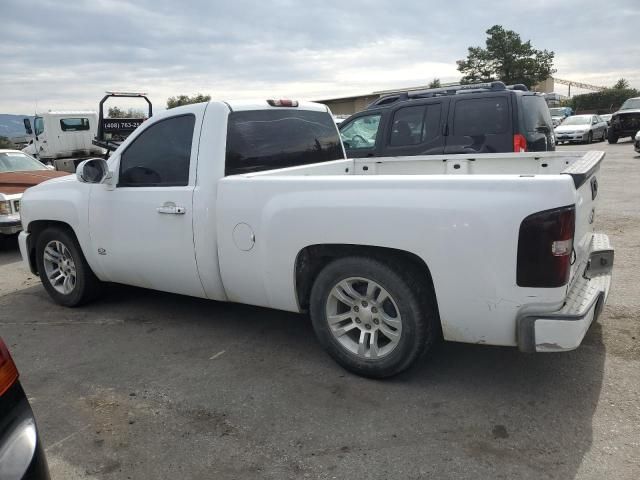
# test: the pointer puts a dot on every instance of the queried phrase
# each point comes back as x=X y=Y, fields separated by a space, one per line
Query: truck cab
x=62 y=135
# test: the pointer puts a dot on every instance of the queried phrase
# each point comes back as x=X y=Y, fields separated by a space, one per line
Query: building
x=357 y=103
x=342 y=106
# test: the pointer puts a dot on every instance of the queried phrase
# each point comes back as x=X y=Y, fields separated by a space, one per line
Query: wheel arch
x=35 y=228
x=313 y=258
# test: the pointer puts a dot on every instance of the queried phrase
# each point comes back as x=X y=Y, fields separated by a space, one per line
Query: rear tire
x=63 y=269
x=372 y=319
x=612 y=137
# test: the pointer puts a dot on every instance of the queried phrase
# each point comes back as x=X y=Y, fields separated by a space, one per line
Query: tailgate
x=584 y=173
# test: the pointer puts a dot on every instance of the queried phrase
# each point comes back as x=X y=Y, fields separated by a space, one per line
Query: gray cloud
x=65 y=54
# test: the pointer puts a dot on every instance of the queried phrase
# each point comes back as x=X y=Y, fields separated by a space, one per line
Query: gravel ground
x=149 y=385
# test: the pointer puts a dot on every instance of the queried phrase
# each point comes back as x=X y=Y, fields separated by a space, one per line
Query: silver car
x=581 y=128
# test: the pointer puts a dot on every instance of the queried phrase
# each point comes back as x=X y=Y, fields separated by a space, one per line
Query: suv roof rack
x=443 y=91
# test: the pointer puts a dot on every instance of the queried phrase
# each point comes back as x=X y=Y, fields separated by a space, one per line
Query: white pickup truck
x=255 y=203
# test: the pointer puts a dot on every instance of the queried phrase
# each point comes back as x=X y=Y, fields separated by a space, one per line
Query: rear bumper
x=564 y=329
x=572 y=137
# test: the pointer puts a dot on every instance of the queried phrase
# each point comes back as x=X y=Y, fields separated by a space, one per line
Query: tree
x=507 y=58
x=115 y=112
x=622 y=84
x=180 y=100
x=435 y=83
x=6 y=143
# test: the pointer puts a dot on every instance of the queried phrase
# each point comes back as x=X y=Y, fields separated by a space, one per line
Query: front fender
x=64 y=201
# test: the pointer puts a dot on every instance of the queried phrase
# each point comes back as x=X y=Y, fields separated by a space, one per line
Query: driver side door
x=142 y=228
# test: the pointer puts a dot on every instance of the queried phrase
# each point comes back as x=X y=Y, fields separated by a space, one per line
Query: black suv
x=479 y=118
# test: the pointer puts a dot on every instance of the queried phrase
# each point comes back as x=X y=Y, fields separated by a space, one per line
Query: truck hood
x=628 y=110
x=17 y=182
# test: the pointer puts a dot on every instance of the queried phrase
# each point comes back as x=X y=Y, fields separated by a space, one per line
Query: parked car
x=18 y=171
x=626 y=121
x=581 y=128
x=636 y=142
x=22 y=456
x=256 y=203
x=480 y=118
x=607 y=118
x=558 y=114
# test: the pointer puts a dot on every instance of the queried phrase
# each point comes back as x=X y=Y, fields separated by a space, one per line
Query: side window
x=407 y=126
x=160 y=155
x=74 y=124
x=481 y=116
x=38 y=126
x=362 y=132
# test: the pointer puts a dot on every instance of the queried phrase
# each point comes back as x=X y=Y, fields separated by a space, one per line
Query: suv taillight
x=8 y=370
x=545 y=246
x=519 y=143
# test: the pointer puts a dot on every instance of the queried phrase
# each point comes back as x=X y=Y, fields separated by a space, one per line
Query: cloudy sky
x=61 y=55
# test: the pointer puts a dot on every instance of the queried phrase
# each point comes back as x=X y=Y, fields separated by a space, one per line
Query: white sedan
x=581 y=128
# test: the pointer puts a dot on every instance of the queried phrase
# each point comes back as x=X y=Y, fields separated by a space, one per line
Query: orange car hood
x=17 y=182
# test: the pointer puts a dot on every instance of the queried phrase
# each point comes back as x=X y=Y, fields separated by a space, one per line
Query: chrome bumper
x=564 y=330
x=10 y=224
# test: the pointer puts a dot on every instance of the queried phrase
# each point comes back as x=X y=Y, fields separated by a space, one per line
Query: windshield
x=18 y=162
x=557 y=112
x=578 y=120
x=631 y=103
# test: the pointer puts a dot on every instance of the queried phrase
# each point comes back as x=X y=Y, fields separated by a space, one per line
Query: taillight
x=283 y=103
x=519 y=143
x=545 y=246
x=8 y=370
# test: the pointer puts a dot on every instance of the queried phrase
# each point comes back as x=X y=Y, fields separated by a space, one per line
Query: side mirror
x=543 y=129
x=94 y=170
x=27 y=126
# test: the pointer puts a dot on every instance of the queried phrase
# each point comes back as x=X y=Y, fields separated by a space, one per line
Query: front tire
x=612 y=138
x=63 y=269
x=372 y=319
x=590 y=137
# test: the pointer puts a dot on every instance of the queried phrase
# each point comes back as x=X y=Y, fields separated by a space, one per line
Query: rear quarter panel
x=465 y=228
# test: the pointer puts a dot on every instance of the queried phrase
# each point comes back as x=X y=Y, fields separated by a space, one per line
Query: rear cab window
x=259 y=140
x=74 y=124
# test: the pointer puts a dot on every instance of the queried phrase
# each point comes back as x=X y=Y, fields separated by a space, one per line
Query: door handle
x=171 y=208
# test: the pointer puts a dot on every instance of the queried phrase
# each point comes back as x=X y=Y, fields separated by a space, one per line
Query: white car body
x=636 y=142
x=239 y=238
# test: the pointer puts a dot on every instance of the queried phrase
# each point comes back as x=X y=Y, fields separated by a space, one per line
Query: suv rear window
x=260 y=140
x=481 y=116
x=535 y=113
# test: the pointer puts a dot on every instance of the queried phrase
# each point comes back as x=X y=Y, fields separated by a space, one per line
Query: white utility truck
x=256 y=203
x=59 y=138
x=64 y=139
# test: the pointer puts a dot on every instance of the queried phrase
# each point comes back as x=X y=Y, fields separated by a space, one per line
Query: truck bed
x=574 y=163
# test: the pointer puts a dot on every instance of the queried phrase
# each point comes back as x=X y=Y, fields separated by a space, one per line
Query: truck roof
x=239 y=105
x=68 y=112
